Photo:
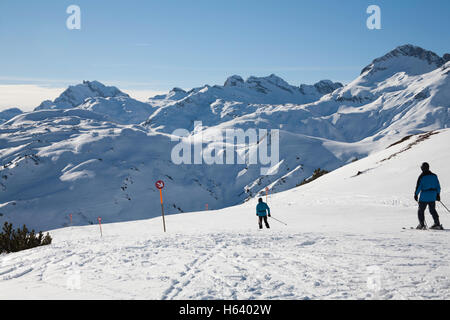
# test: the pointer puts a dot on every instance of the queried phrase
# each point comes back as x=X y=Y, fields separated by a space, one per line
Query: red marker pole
x=160 y=185
x=267 y=192
x=100 y=224
x=70 y=216
x=206 y=207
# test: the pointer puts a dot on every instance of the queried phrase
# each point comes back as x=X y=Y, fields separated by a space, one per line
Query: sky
x=147 y=47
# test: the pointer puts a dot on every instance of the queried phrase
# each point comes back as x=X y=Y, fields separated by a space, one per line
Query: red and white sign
x=159 y=184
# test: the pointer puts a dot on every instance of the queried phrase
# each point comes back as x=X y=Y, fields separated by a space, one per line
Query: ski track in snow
x=238 y=265
x=361 y=251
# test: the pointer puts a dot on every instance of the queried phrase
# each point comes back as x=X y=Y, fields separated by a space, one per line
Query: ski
x=427 y=229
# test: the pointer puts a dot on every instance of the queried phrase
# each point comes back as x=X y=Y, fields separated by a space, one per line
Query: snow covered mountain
x=76 y=95
x=236 y=98
x=410 y=59
x=96 y=151
x=8 y=114
x=268 y=90
x=343 y=240
x=114 y=104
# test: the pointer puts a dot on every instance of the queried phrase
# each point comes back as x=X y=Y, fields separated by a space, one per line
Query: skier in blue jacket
x=429 y=189
x=262 y=210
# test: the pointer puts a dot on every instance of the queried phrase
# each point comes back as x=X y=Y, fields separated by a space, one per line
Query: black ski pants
x=261 y=218
x=432 y=208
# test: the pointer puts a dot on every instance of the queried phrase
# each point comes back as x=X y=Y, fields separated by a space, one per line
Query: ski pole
x=278 y=220
x=444 y=206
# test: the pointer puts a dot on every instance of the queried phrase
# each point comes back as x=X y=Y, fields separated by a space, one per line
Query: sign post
x=100 y=224
x=160 y=185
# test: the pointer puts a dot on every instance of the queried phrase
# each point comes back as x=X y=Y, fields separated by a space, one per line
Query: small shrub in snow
x=317 y=173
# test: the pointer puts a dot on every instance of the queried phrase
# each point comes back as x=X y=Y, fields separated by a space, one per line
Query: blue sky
x=150 y=46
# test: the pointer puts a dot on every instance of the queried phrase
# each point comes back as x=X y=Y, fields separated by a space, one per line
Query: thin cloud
x=5 y=80
x=26 y=96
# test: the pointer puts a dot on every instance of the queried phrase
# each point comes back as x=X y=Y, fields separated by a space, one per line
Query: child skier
x=262 y=210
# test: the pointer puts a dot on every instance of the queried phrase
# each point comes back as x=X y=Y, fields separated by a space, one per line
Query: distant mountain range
x=96 y=151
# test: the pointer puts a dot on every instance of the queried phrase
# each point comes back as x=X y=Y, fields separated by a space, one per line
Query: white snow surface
x=343 y=240
x=96 y=151
x=9 y=113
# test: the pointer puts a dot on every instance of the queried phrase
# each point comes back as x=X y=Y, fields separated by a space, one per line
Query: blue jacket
x=261 y=208
x=428 y=186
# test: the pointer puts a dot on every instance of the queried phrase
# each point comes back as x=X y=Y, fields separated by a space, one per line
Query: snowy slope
x=344 y=240
x=94 y=150
x=236 y=98
x=122 y=109
x=8 y=114
x=61 y=162
x=85 y=154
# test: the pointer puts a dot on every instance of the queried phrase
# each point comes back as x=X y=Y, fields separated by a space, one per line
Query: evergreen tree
x=21 y=239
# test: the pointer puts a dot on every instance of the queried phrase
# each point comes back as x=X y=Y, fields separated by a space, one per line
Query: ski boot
x=437 y=227
x=421 y=226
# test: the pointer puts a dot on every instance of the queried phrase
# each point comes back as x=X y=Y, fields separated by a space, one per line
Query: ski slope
x=94 y=150
x=344 y=240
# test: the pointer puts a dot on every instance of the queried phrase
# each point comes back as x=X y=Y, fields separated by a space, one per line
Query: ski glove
x=438 y=197
x=270 y=215
x=416 y=197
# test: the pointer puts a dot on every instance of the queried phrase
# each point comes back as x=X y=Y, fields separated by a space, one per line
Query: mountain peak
x=76 y=95
x=322 y=87
x=96 y=89
x=177 y=89
x=327 y=86
x=446 y=57
x=408 y=50
x=233 y=81
x=273 y=79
